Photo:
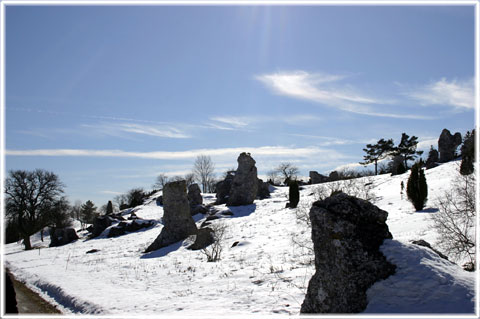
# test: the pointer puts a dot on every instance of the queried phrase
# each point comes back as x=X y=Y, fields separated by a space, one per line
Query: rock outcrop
x=447 y=145
x=194 y=195
x=177 y=221
x=245 y=182
x=129 y=226
x=347 y=233
x=100 y=223
x=316 y=178
x=333 y=176
x=263 y=190
x=62 y=236
x=195 y=200
x=223 y=188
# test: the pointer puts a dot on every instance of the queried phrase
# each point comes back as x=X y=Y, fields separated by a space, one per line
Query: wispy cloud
x=328 y=141
x=119 y=129
x=271 y=151
x=315 y=87
x=324 y=89
x=459 y=94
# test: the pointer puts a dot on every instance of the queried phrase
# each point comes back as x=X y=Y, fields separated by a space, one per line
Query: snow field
x=265 y=273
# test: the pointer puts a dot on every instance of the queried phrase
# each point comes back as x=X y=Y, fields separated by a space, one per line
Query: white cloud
x=125 y=129
x=459 y=94
x=235 y=121
x=264 y=151
x=324 y=89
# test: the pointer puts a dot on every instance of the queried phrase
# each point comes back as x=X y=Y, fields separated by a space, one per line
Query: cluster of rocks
x=178 y=223
x=347 y=233
x=242 y=187
x=135 y=224
x=131 y=224
x=447 y=145
x=316 y=178
x=62 y=236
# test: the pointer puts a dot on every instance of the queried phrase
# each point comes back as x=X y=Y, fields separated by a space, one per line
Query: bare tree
x=31 y=198
x=214 y=251
x=189 y=179
x=288 y=171
x=272 y=175
x=203 y=170
x=160 y=182
x=455 y=220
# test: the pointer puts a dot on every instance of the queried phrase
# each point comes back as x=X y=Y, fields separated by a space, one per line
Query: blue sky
x=109 y=97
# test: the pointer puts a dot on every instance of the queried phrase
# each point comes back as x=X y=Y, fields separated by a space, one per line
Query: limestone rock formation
x=194 y=195
x=245 y=182
x=347 y=233
x=62 y=236
x=263 y=190
x=333 y=176
x=447 y=145
x=177 y=221
x=223 y=188
x=316 y=178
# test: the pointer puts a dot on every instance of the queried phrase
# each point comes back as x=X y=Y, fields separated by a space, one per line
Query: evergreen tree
x=293 y=194
x=407 y=148
x=109 y=208
x=88 y=212
x=417 y=189
x=468 y=153
x=376 y=152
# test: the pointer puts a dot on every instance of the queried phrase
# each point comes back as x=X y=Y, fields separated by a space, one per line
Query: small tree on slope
x=417 y=189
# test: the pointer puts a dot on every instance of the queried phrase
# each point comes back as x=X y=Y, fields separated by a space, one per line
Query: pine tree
x=293 y=194
x=109 y=208
x=407 y=148
x=417 y=189
x=468 y=153
x=88 y=212
x=376 y=152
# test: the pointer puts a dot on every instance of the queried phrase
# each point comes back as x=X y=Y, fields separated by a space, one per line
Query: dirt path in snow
x=29 y=301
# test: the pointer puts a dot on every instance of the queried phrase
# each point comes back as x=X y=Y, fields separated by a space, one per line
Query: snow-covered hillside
x=265 y=273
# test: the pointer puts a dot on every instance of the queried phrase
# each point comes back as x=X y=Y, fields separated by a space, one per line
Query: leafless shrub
x=214 y=251
x=455 y=220
x=302 y=240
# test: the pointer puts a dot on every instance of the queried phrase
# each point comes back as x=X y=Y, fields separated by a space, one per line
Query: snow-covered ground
x=265 y=273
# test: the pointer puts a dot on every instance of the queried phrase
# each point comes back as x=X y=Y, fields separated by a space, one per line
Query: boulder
x=447 y=145
x=194 y=195
x=203 y=238
x=223 y=188
x=199 y=209
x=333 y=176
x=316 y=178
x=100 y=223
x=347 y=233
x=62 y=236
x=177 y=221
x=245 y=182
